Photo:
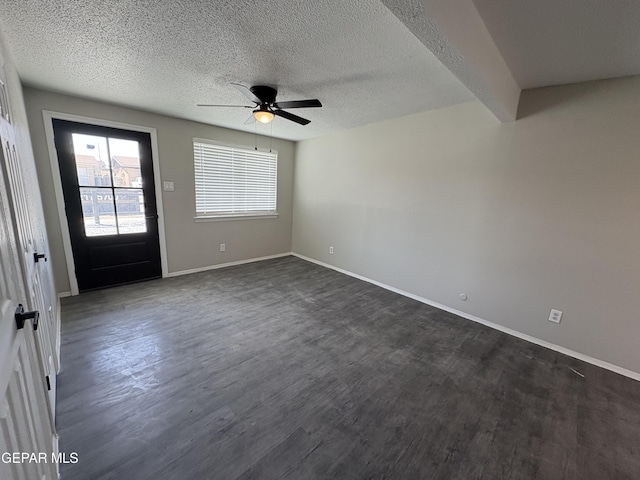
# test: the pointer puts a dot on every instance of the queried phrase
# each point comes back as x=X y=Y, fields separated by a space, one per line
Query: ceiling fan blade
x=298 y=104
x=292 y=117
x=210 y=105
x=247 y=93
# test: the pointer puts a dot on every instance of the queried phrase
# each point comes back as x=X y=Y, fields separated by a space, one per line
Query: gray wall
x=522 y=217
x=190 y=245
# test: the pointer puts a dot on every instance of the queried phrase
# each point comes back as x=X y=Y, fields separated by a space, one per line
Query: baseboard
x=58 y=347
x=228 y=264
x=473 y=318
x=55 y=441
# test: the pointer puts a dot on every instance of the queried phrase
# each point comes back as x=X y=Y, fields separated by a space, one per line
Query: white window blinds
x=234 y=181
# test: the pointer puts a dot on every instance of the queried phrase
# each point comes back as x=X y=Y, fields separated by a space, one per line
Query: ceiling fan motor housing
x=264 y=93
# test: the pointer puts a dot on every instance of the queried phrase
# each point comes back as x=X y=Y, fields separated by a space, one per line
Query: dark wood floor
x=284 y=369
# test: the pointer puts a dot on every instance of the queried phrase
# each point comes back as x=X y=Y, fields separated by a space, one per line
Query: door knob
x=37 y=256
x=21 y=316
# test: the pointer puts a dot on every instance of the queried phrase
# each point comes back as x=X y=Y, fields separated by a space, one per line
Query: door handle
x=21 y=316
x=37 y=256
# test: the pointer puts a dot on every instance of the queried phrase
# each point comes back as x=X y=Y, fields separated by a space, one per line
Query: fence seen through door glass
x=110 y=183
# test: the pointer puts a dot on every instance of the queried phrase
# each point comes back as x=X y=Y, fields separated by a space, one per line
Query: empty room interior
x=308 y=240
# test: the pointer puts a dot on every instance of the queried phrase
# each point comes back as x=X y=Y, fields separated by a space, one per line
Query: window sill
x=235 y=216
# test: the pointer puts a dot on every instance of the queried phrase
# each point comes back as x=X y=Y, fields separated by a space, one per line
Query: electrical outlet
x=555 y=316
x=167 y=186
x=223 y=247
x=331 y=250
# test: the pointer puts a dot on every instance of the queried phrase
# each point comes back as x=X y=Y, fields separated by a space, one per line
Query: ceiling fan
x=266 y=107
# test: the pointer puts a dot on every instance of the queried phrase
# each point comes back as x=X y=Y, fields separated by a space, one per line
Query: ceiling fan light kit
x=263 y=115
x=264 y=98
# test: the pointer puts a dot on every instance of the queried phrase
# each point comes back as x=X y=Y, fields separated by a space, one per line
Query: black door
x=109 y=196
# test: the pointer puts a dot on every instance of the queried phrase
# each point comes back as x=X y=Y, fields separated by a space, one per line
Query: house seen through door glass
x=110 y=184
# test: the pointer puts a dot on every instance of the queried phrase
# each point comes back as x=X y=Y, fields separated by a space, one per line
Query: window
x=111 y=203
x=232 y=182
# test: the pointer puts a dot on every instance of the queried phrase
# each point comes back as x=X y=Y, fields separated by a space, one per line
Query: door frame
x=48 y=116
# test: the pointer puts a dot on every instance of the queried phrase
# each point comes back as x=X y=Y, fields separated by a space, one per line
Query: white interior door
x=26 y=419
x=29 y=260
x=25 y=425
x=18 y=201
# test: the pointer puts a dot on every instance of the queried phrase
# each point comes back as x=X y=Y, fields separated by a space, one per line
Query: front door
x=109 y=196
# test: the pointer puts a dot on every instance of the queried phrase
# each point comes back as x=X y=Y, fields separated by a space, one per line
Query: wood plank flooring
x=286 y=370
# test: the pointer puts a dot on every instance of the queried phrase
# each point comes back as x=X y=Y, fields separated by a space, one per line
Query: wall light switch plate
x=223 y=247
x=555 y=316
x=167 y=186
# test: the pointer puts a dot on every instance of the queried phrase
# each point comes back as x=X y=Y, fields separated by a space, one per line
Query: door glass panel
x=130 y=208
x=92 y=160
x=125 y=163
x=98 y=211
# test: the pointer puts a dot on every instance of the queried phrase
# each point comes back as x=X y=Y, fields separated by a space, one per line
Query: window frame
x=226 y=216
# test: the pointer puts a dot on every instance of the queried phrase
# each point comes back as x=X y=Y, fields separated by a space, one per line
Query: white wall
x=190 y=245
x=523 y=217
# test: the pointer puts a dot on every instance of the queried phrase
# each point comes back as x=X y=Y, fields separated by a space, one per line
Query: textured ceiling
x=357 y=57
x=457 y=36
x=551 y=42
x=167 y=55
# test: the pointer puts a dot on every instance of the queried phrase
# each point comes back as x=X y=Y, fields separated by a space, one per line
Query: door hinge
x=48 y=383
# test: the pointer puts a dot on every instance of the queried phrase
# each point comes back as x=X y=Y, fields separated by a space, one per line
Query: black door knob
x=37 y=256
